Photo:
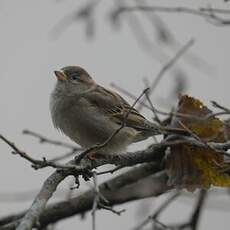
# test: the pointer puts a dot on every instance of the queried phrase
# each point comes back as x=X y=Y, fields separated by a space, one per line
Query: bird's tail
x=151 y=129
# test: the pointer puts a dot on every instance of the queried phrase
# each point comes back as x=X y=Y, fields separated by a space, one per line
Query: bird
x=89 y=114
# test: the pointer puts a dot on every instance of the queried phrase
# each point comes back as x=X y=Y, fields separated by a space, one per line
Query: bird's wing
x=115 y=107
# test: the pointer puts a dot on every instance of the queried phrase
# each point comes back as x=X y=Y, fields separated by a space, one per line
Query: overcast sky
x=29 y=54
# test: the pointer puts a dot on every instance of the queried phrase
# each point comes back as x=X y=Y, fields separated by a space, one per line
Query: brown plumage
x=89 y=113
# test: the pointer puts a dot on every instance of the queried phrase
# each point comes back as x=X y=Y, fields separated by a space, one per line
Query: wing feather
x=115 y=107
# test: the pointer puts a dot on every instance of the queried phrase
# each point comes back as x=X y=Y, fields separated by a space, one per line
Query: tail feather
x=149 y=129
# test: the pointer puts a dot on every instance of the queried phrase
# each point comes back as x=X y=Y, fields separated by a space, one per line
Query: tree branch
x=36 y=209
x=207 y=13
x=43 y=139
x=121 y=189
x=165 y=68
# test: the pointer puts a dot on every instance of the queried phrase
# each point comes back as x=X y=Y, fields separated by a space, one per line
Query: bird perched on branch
x=89 y=114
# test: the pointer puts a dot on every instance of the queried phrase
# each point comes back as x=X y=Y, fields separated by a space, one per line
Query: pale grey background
x=28 y=56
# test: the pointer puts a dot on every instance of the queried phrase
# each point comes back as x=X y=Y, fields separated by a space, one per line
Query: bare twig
x=216 y=10
x=175 y=114
x=100 y=202
x=217 y=105
x=198 y=209
x=110 y=171
x=194 y=135
x=140 y=33
x=155 y=215
x=195 y=216
x=43 y=139
x=166 y=67
x=207 y=13
x=127 y=93
x=63 y=156
x=215 y=114
x=177 y=140
x=126 y=159
x=96 y=201
x=156 y=117
x=24 y=154
x=36 y=164
x=165 y=36
x=156 y=152
x=84 y=13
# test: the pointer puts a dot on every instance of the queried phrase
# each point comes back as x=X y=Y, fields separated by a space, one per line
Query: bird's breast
x=83 y=123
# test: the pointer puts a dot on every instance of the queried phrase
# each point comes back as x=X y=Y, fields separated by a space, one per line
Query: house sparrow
x=89 y=114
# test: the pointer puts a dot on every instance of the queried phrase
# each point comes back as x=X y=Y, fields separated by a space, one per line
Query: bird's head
x=73 y=80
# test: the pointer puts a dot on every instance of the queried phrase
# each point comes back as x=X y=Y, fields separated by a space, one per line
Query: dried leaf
x=189 y=166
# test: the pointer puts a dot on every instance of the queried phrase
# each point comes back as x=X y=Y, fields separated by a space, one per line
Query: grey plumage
x=89 y=113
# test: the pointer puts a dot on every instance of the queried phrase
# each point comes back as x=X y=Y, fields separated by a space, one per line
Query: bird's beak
x=60 y=75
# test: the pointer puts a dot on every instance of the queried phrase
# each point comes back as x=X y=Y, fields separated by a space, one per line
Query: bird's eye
x=73 y=77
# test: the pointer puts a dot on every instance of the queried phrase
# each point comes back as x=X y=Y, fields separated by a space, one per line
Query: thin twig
x=22 y=153
x=193 y=221
x=36 y=164
x=119 y=212
x=193 y=134
x=211 y=145
x=127 y=93
x=178 y=140
x=155 y=215
x=211 y=115
x=198 y=209
x=207 y=13
x=63 y=156
x=110 y=171
x=166 y=67
x=156 y=117
x=95 y=202
x=43 y=139
x=217 y=105
x=175 y=114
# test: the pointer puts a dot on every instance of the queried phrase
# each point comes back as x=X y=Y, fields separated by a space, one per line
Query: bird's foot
x=95 y=156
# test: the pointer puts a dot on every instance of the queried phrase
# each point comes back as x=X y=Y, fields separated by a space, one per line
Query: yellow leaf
x=191 y=166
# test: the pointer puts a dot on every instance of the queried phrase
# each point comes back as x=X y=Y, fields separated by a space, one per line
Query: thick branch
x=156 y=152
x=118 y=190
x=36 y=209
